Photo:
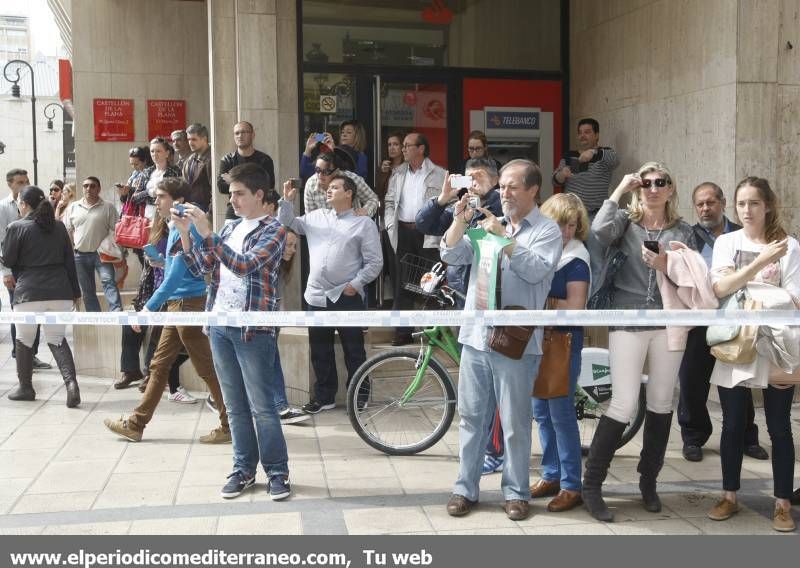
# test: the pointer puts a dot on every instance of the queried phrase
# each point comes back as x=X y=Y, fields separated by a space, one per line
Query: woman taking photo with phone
x=760 y=252
x=651 y=220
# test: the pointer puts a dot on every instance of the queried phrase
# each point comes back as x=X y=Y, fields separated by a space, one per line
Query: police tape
x=586 y=318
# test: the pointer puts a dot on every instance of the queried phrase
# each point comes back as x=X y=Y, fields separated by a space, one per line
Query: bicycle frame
x=433 y=337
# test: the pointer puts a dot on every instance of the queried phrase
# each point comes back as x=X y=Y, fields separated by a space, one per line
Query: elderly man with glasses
x=89 y=221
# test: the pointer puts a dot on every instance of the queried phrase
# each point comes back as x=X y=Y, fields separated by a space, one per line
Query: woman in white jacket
x=761 y=252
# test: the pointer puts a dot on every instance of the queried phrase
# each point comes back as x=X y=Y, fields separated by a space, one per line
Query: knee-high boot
x=66 y=364
x=654 y=446
x=24 y=358
x=604 y=444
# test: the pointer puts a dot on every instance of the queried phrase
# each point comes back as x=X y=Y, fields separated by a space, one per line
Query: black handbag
x=603 y=297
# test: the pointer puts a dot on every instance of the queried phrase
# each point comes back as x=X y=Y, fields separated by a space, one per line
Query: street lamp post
x=50 y=116
x=15 y=92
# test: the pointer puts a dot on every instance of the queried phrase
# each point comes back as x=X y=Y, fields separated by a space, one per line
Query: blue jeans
x=246 y=374
x=558 y=433
x=86 y=264
x=281 y=403
x=489 y=380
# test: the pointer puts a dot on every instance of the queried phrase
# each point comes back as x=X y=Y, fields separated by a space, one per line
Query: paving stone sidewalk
x=62 y=472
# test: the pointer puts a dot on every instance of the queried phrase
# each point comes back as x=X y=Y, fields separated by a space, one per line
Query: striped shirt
x=258 y=264
x=592 y=185
x=314 y=196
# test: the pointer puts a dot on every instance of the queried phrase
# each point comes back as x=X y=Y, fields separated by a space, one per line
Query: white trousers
x=54 y=332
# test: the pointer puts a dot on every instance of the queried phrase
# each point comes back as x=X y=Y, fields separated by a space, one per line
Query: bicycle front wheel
x=384 y=420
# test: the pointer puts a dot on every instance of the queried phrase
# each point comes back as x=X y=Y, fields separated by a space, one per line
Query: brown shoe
x=219 y=435
x=782 y=521
x=544 y=488
x=723 y=510
x=564 y=501
x=123 y=428
x=127 y=379
x=517 y=509
x=458 y=505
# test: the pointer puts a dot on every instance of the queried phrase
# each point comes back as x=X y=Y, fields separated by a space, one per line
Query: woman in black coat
x=38 y=250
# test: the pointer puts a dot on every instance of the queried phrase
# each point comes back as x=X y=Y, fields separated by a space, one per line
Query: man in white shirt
x=412 y=183
x=345 y=256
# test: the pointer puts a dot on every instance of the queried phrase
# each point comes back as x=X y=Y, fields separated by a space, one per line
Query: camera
x=458 y=182
x=180 y=210
x=474 y=202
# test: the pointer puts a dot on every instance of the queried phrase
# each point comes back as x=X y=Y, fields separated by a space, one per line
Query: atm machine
x=519 y=132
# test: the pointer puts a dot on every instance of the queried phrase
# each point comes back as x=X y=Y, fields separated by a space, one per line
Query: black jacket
x=229 y=161
x=42 y=263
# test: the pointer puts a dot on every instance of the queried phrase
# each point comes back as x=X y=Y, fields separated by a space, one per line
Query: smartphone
x=152 y=253
x=180 y=209
x=458 y=181
x=651 y=246
x=319 y=136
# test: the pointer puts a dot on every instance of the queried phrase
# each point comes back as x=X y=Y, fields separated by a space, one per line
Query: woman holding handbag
x=558 y=424
x=642 y=232
x=760 y=252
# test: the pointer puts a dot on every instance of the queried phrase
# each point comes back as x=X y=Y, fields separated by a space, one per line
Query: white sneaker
x=182 y=396
x=293 y=416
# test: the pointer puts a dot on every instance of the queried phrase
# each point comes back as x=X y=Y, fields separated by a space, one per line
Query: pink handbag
x=133 y=228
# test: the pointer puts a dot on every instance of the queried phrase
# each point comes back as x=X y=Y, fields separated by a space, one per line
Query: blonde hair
x=563 y=207
x=635 y=207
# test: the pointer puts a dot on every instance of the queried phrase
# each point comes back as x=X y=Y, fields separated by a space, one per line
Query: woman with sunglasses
x=365 y=202
x=761 y=251
x=145 y=193
x=643 y=232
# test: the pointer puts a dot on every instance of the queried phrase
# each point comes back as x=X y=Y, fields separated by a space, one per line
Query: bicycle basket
x=420 y=275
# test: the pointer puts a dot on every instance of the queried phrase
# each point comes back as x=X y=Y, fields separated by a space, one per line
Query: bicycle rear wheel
x=381 y=418
x=592 y=403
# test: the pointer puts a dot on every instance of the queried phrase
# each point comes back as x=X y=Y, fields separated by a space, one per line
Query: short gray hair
x=482 y=164
x=197 y=129
x=532 y=175
x=179 y=134
x=718 y=193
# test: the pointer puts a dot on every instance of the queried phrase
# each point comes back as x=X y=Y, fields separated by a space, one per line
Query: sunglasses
x=475 y=148
x=659 y=182
x=324 y=172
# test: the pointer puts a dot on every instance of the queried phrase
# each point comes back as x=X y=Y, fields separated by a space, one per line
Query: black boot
x=24 y=358
x=63 y=356
x=604 y=444
x=654 y=446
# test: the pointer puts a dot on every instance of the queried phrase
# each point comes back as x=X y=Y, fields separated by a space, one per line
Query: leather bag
x=781 y=379
x=552 y=381
x=741 y=350
x=133 y=228
x=510 y=340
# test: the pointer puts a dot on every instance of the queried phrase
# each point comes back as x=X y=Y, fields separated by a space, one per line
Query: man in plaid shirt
x=244 y=260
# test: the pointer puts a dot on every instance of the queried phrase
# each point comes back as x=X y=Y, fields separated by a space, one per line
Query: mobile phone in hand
x=651 y=246
x=152 y=253
x=180 y=210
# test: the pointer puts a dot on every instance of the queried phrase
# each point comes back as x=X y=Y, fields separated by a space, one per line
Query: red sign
x=113 y=120
x=438 y=13
x=165 y=116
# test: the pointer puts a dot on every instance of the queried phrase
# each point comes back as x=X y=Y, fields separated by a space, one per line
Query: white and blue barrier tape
x=588 y=318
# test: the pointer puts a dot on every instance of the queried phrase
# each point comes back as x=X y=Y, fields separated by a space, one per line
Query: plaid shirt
x=258 y=264
x=314 y=197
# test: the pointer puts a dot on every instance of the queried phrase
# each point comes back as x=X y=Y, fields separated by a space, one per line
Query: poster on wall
x=165 y=116
x=113 y=120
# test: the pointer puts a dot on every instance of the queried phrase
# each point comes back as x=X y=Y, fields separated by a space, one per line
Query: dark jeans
x=777 y=409
x=408 y=241
x=694 y=375
x=14 y=331
x=132 y=345
x=323 y=356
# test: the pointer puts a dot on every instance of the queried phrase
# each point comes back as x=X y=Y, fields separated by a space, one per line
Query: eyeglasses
x=328 y=172
x=90 y=185
x=659 y=182
x=475 y=148
x=404 y=146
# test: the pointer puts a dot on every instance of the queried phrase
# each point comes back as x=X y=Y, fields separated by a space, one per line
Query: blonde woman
x=558 y=424
x=67 y=197
x=643 y=232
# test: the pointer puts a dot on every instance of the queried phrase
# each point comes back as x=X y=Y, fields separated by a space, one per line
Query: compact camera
x=474 y=202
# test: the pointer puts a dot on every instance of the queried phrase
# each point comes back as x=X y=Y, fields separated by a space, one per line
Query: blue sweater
x=178 y=282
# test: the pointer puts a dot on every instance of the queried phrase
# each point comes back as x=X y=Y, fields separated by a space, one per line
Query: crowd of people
x=557 y=254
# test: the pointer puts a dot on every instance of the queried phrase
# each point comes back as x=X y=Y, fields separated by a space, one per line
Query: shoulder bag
x=603 y=297
x=552 y=380
x=133 y=228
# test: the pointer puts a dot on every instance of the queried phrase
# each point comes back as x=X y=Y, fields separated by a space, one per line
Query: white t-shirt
x=734 y=250
x=155 y=177
x=412 y=194
x=232 y=292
